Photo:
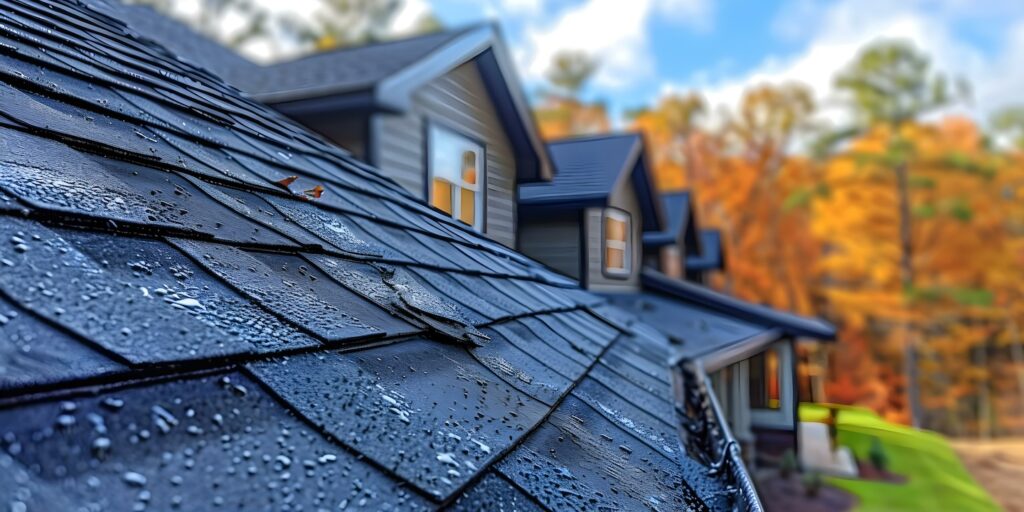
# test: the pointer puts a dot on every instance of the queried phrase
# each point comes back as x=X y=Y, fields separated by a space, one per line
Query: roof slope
x=697 y=333
x=587 y=171
x=587 y=168
x=203 y=305
x=344 y=69
x=789 y=323
x=181 y=40
x=374 y=77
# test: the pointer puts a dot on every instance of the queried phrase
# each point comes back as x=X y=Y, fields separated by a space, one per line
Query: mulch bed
x=868 y=471
x=787 y=495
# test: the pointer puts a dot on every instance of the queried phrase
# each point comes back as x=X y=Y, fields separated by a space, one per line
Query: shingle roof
x=181 y=40
x=345 y=69
x=341 y=70
x=789 y=323
x=698 y=333
x=587 y=170
x=184 y=324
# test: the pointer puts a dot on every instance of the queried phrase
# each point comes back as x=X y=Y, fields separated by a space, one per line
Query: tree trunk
x=1017 y=354
x=907 y=283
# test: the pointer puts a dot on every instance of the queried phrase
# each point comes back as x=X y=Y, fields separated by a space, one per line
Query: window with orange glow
x=617 y=253
x=765 y=381
x=455 y=167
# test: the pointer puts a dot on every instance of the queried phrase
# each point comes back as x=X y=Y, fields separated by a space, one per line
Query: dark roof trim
x=711 y=255
x=789 y=323
x=393 y=94
x=719 y=357
x=673 y=233
x=643 y=184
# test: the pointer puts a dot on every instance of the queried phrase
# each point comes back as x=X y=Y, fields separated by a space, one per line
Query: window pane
x=441 y=196
x=467 y=206
x=614 y=259
x=469 y=167
x=765 y=388
x=615 y=229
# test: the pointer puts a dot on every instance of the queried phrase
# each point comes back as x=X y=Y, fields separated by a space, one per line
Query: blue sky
x=651 y=47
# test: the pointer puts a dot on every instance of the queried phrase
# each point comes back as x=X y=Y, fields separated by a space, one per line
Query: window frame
x=627 y=267
x=781 y=417
x=429 y=127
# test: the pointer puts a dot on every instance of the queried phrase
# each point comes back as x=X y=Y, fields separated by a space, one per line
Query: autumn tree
x=562 y=111
x=888 y=87
x=1008 y=123
x=209 y=16
x=335 y=23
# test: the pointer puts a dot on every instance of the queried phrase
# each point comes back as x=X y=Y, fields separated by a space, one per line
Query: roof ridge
x=595 y=137
x=450 y=34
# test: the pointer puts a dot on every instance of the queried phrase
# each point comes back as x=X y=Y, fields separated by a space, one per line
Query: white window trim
x=625 y=246
x=783 y=416
x=478 y=188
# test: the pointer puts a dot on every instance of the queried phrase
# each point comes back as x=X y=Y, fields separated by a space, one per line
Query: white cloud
x=613 y=31
x=410 y=14
x=833 y=36
x=522 y=6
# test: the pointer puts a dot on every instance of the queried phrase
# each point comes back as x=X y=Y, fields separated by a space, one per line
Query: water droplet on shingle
x=66 y=421
x=113 y=403
x=134 y=479
x=448 y=458
x=100 y=447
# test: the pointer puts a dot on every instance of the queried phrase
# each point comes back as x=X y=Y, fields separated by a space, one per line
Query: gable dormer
x=588 y=222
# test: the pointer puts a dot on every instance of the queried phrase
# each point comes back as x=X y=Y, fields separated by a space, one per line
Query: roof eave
x=791 y=324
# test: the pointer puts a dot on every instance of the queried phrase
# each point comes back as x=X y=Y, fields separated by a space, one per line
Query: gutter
x=722 y=443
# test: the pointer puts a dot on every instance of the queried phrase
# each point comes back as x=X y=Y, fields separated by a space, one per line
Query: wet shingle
x=193 y=444
x=494 y=492
x=33 y=353
x=579 y=460
x=51 y=277
x=428 y=412
x=281 y=287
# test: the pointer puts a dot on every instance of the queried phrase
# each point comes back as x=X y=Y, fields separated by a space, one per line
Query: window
x=771 y=388
x=456 y=170
x=765 y=386
x=617 y=234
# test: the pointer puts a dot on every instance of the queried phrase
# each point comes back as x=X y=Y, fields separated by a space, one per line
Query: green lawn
x=936 y=479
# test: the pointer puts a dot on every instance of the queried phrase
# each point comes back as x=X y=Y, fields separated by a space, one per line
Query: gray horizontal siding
x=555 y=243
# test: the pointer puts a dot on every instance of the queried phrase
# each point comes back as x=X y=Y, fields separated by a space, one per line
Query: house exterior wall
x=671 y=261
x=624 y=198
x=458 y=101
x=554 y=242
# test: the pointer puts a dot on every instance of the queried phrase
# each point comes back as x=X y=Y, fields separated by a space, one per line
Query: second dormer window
x=455 y=176
x=617 y=240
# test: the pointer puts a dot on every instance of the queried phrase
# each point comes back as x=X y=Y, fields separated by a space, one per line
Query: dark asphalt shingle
x=587 y=168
